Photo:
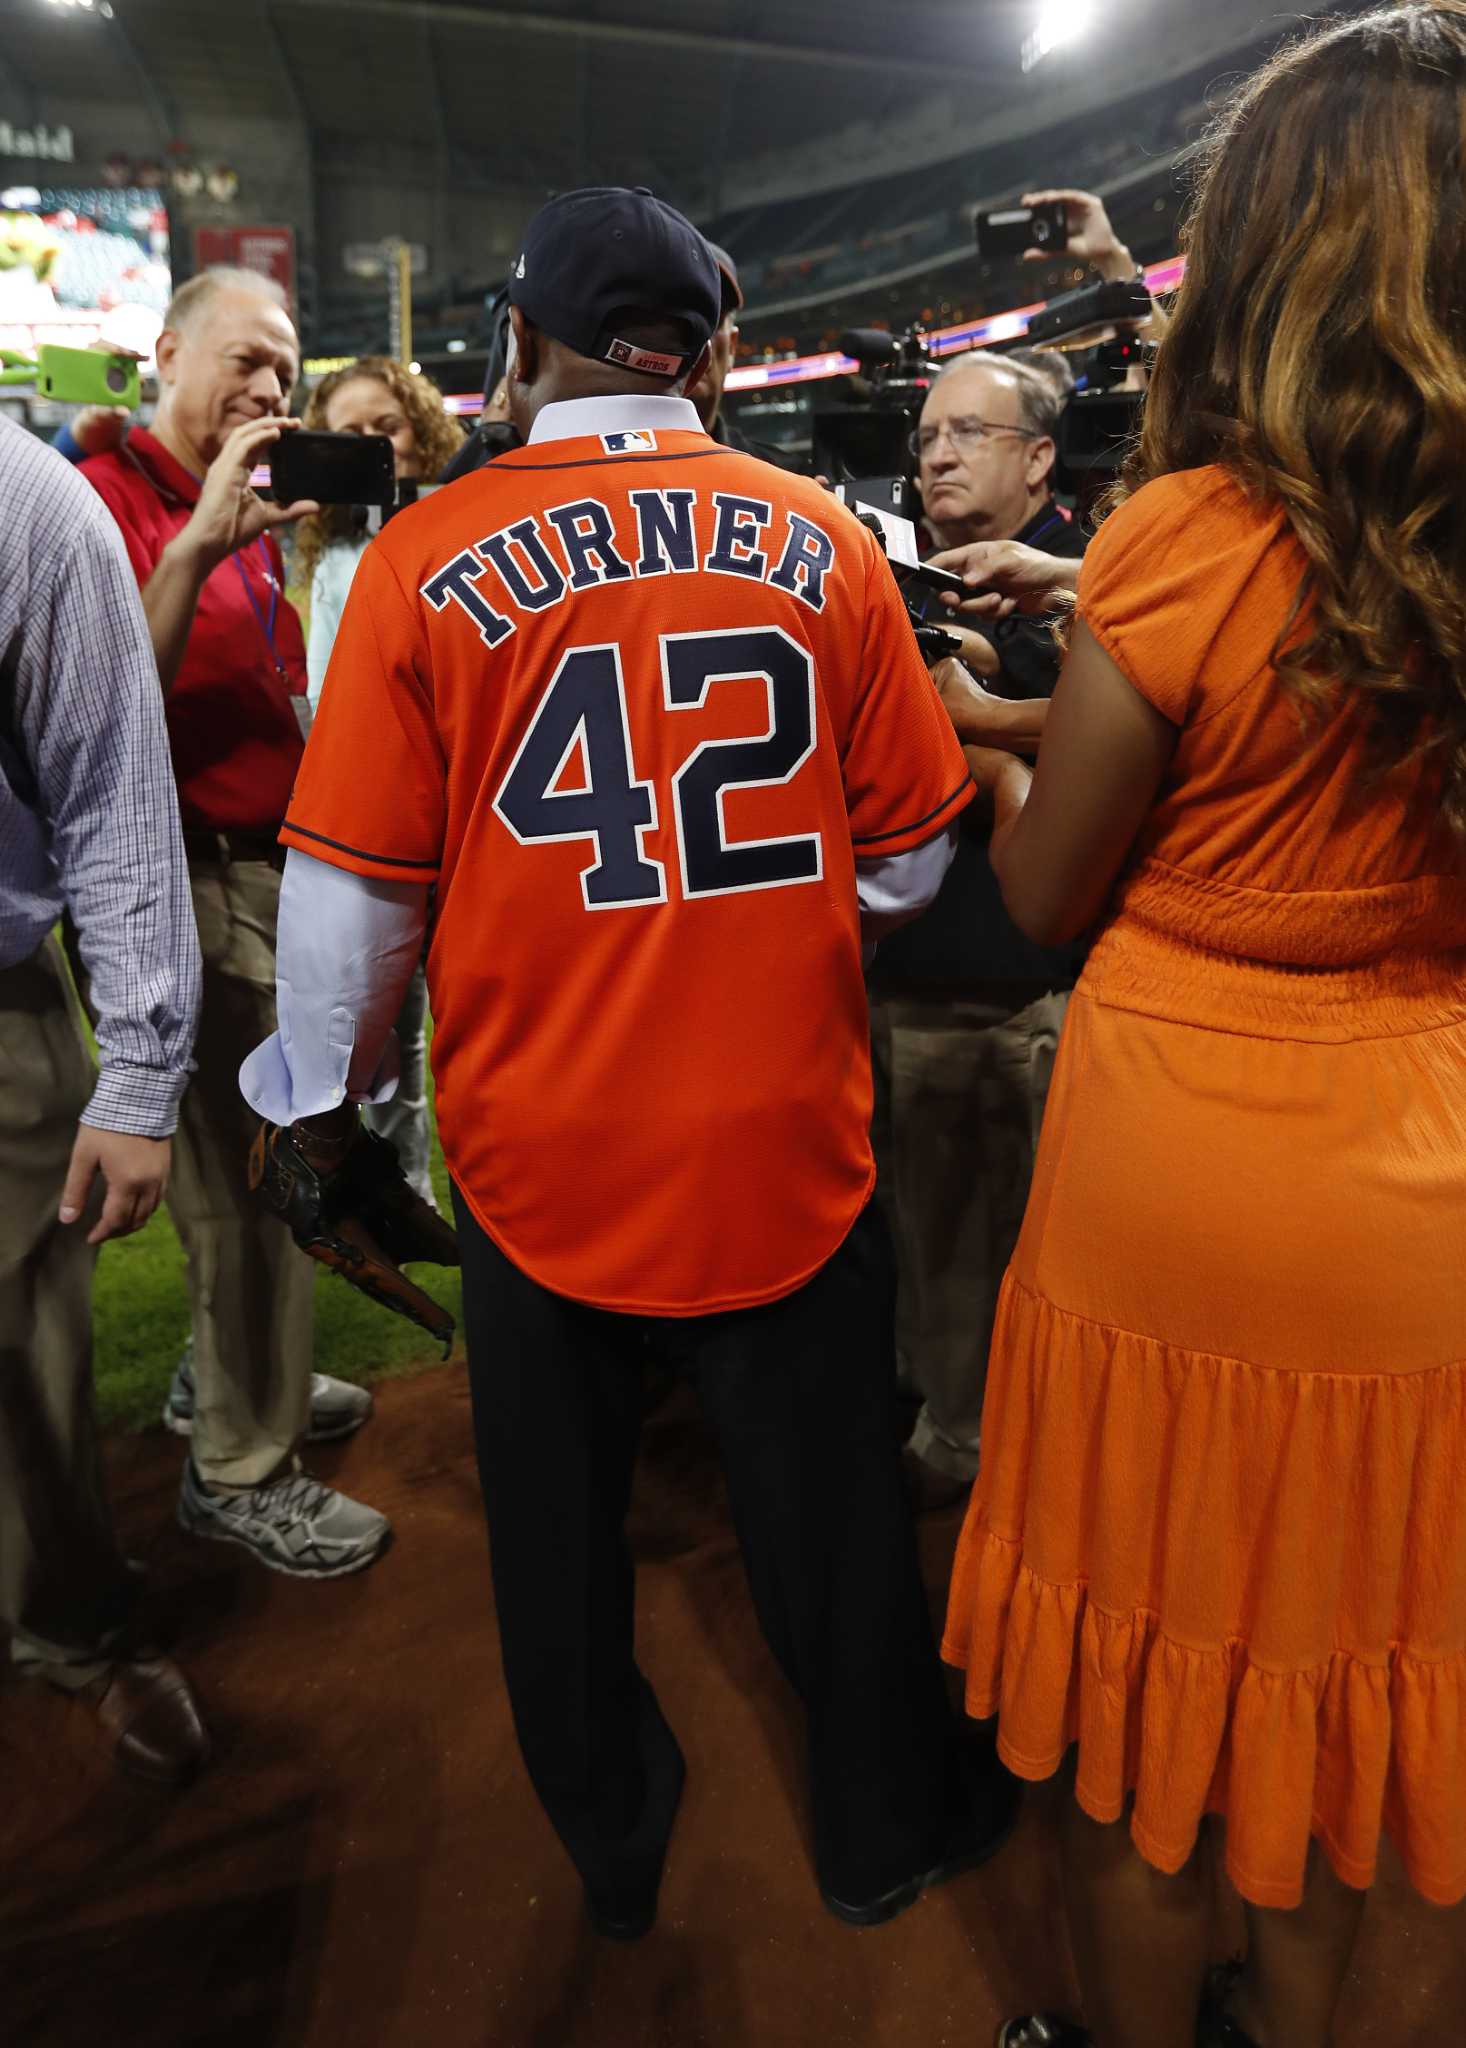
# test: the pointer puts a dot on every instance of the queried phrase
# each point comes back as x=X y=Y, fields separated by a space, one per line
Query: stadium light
x=1059 y=22
x=101 y=7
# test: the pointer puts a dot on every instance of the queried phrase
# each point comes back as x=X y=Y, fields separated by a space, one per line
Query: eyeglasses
x=964 y=434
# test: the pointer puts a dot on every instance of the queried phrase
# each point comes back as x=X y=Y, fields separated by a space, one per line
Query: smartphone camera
x=87 y=376
x=1010 y=230
x=334 y=469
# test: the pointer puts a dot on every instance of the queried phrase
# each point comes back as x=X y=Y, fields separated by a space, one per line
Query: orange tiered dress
x=1218 y=1539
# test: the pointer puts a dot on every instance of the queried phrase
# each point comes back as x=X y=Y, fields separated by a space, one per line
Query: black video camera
x=1101 y=417
x=868 y=442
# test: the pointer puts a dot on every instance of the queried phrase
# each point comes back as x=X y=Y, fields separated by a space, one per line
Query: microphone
x=870 y=345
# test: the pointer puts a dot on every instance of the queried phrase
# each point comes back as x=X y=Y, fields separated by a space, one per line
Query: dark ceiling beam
x=585 y=113
x=458 y=14
x=18 y=90
x=439 y=258
x=727 y=114
x=274 y=42
x=162 y=109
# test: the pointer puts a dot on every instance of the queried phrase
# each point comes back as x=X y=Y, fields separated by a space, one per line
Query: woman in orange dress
x=1215 y=1560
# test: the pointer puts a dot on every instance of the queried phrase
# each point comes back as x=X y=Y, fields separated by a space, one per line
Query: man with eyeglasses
x=965 y=1011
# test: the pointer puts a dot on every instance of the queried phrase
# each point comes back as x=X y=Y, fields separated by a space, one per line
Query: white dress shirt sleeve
x=894 y=890
x=345 y=952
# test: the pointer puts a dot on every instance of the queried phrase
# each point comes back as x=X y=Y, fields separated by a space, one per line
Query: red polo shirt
x=233 y=723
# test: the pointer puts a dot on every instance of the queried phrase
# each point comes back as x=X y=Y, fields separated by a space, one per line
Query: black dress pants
x=799 y=1393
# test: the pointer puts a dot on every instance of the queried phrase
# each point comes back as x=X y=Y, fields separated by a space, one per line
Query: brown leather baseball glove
x=348 y=1204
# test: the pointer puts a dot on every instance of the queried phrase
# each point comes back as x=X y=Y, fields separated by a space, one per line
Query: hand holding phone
x=1032 y=231
x=230 y=513
x=87 y=376
x=989 y=579
x=931 y=594
x=1088 y=233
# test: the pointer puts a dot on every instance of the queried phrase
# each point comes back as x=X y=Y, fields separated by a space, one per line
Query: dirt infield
x=365 y=1862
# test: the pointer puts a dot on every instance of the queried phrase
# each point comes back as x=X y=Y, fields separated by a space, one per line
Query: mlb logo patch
x=638 y=443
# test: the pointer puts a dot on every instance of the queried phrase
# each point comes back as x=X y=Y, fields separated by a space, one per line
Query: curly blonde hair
x=435 y=432
x=1318 y=352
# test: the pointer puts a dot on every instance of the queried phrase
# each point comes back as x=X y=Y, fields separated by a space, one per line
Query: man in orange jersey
x=649 y=714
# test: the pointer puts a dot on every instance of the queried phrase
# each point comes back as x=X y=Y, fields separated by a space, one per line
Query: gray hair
x=1048 y=362
x=1039 y=398
x=198 y=294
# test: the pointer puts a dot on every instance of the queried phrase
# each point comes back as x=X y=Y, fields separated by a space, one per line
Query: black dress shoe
x=975 y=1848
x=622 y=1919
x=1216 y=2027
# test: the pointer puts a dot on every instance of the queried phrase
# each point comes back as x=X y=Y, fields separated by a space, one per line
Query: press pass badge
x=301 y=706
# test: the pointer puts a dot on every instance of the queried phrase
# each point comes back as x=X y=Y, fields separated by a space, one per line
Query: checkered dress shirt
x=88 y=811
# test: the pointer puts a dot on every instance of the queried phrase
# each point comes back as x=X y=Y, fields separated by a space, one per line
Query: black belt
x=223 y=849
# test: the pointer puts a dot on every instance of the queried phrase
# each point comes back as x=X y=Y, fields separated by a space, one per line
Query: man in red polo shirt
x=231 y=660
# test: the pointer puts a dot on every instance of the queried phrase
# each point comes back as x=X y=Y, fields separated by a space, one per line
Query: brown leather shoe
x=929 y=1489
x=148 y=1708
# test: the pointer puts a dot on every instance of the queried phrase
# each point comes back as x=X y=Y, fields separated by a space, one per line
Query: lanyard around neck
x=1048 y=517
x=266 y=623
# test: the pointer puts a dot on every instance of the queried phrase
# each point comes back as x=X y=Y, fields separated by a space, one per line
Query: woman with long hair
x=1214 y=1566
x=375 y=395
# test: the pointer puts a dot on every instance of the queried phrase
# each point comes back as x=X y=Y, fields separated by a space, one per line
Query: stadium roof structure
x=790 y=124
x=549 y=92
x=691 y=96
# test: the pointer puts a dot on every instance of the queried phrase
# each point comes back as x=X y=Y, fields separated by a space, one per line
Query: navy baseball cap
x=592 y=254
x=732 y=289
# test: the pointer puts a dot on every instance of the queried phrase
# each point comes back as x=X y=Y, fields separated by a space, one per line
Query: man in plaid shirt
x=89 y=822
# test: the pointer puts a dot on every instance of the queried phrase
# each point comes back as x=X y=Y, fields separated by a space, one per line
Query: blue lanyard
x=267 y=625
x=1053 y=517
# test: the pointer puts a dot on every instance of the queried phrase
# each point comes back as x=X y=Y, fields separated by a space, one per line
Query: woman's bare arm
x=1062 y=831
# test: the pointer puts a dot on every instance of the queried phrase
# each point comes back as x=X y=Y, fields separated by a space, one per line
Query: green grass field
x=140 y=1320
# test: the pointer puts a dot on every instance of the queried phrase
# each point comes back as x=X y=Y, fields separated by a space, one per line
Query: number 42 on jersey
x=584 y=706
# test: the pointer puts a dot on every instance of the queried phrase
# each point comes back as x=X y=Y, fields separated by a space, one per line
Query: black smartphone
x=923 y=589
x=1012 y=229
x=893 y=494
x=334 y=469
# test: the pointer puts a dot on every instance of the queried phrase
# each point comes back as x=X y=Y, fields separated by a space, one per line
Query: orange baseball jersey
x=637 y=705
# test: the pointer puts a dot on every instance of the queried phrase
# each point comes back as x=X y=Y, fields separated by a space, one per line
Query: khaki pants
x=64 y=1590
x=960 y=1088
x=251 y=1289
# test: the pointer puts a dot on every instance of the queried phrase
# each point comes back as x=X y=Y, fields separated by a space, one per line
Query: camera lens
x=116 y=378
x=1041 y=232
